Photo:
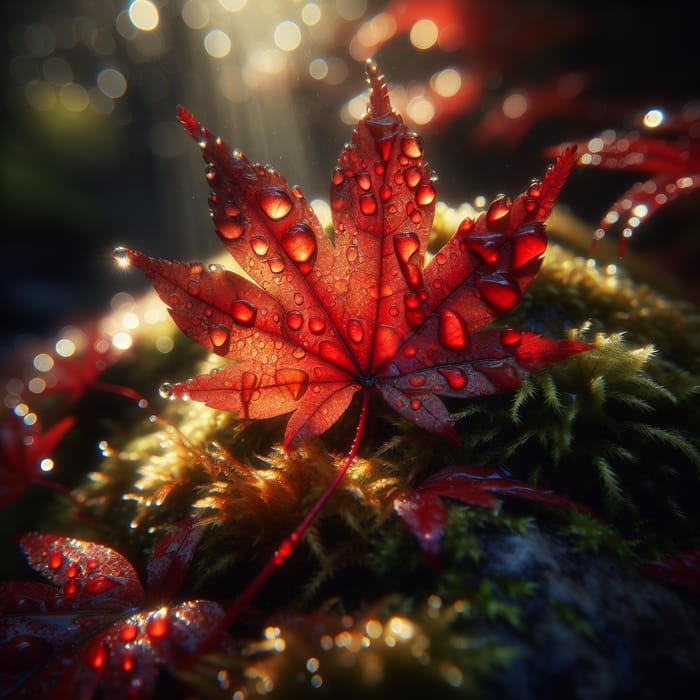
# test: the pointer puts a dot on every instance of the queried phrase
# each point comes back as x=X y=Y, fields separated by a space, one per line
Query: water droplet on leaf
x=498 y=291
x=355 y=331
x=368 y=204
x=498 y=214
x=452 y=330
x=166 y=390
x=259 y=244
x=412 y=146
x=158 y=626
x=299 y=243
x=243 y=312
x=219 y=336
x=364 y=182
x=317 y=325
x=425 y=194
x=275 y=202
x=295 y=380
x=229 y=229
x=455 y=377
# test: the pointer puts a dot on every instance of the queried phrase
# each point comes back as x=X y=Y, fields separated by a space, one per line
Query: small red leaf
x=424 y=514
x=23 y=447
x=171 y=559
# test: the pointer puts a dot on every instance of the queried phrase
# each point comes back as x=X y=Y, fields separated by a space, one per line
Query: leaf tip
x=379 y=103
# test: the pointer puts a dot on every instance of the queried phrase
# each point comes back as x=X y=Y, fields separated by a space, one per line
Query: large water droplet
x=416 y=404
x=406 y=245
x=417 y=380
x=100 y=584
x=364 y=181
x=97 y=656
x=229 y=229
x=338 y=177
x=455 y=377
x=498 y=214
x=452 y=330
x=166 y=390
x=351 y=253
x=294 y=320
x=385 y=193
x=355 y=331
x=276 y=265
x=485 y=245
x=295 y=380
x=412 y=176
x=299 y=243
x=259 y=244
x=498 y=291
x=317 y=325
x=368 y=204
x=528 y=243
x=158 y=626
x=219 y=336
x=425 y=194
x=128 y=632
x=412 y=146
x=243 y=312
x=275 y=202
x=249 y=384
x=510 y=338
x=121 y=256
x=55 y=559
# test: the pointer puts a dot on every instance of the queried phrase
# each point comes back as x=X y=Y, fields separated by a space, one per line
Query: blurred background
x=93 y=157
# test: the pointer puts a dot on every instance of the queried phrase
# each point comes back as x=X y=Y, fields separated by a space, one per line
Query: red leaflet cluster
x=94 y=624
x=424 y=513
x=323 y=320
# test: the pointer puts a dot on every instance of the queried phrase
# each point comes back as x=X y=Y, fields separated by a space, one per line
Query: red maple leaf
x=424 y=513
x=96 y=624
x=322 y=319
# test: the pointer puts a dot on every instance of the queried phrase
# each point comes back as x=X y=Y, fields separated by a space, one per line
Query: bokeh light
x=144 y=15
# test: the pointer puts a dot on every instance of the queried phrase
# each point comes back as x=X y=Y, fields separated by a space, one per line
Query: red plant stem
x=288 y=545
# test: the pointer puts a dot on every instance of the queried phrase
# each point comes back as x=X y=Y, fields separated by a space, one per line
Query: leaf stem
x=287 y=546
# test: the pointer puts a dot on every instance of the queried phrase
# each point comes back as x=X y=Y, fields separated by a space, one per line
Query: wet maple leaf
x=96 y=624
x=324 y=319
x=424 y=512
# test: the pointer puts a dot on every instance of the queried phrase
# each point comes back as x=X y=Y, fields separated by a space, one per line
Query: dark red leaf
x=424 y=514
x=23 y=448
x=667 y=153
x=682 y=570
x=170 y=561
x=323 y=320
x=94 y=626
x=124 y=660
